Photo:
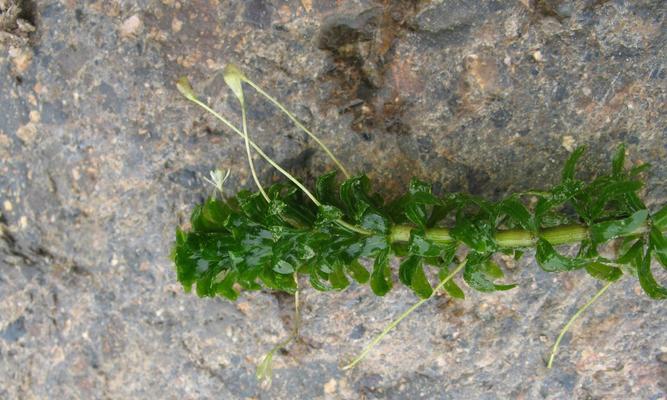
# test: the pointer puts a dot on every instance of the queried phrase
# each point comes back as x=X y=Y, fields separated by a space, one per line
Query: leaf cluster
x=245 y=243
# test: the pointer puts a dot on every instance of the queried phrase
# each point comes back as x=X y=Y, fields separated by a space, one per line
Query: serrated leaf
x=603 y=231
x=420 y=246
x=571 y=163
x=327 y=214
x=316 y=279
x=517 y=213
x=411 y=273
x=660 y=219
x=646 y=279
x=618 y=161
x=634 y=171
x=283 y=267
x=658 y=245
x=325 y=189
x=416 y=213
x=450 y=286
x=603 y=272
x=406 y=269
x=337 y=277
x=476 y=234
x=358 y=272
x=375 y=222
x=479 y=274
x=353 y=196
x=381 y=275
x=550 y=261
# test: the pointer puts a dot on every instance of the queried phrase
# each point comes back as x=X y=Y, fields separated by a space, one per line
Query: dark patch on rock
x=501 y=118
x=14 y=331
x=258 y=12
x=185 y=177
x=357 y=332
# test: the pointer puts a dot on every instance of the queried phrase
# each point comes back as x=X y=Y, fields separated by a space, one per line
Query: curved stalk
x=186 y=90
x=571 y=321
x=395 y=322
x=247 y=148
x=298 y=124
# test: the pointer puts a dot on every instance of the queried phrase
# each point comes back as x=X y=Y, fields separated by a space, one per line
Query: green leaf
x=375 y=222
x=317 y=278
x=416 y=213
x=327 y=214
x=479 y=273
x=571 y=163
x=358 y=272
x=450 y=286
x=355 y=197
x=477 y=234
x=223 y=285
x=325 y=189
x=658 y=245
x=646 y=279
x=613 y=191
x=411 y=273
x=603 y=272
x=634 y=171
x=660 y=219
x=632 y=253
x=381 y=275
x=421 y=246
x=603 y=231
x=550 y=261
x=210 y=216
x=517 y=212
x=283 y=267
x=337 y=278
x=406 y=269
x=618 y=161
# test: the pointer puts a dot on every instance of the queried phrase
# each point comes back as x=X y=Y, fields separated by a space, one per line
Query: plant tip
x=233 y=78
x=184 y=87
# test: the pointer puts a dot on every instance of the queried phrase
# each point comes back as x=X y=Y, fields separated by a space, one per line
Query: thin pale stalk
x=256 y=148
x=394 y=323
x=265 y=370
x=571 y=321
x=273 y=163
x=298 y=124
x=247 y=148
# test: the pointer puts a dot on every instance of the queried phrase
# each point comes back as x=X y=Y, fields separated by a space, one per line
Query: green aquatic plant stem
x=186 y=90
x=297 y=123
x=398 y=320
x=567 y=326
x=512 y=238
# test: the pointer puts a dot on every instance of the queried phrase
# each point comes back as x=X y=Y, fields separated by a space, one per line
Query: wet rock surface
x=100 y=159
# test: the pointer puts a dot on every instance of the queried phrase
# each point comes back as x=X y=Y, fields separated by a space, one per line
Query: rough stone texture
x=100 y=158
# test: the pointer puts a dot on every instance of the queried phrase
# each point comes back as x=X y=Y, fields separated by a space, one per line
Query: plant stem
x=512 y=238
x=247 y=148
x=297 y=123
x=256 y=148
x=190 y=96
x=395 y=322
x=571 y=321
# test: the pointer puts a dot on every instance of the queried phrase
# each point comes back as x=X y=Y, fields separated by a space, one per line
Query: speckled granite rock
x=100 y=158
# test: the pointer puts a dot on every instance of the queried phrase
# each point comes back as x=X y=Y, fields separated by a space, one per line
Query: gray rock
x=100 y=160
